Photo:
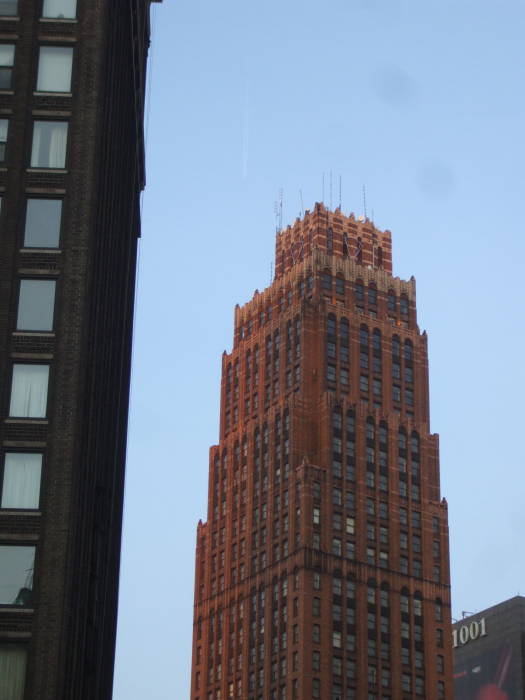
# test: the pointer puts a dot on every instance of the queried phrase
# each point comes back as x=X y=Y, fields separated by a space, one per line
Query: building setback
x=72 y=76
x=322 y=570
x=489 y=653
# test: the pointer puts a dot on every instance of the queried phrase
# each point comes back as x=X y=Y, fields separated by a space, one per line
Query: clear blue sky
x=422 y=102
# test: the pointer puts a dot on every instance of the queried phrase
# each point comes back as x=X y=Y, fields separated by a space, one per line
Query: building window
x=7 y=59
x=36 y=304
x=4 y=124
x=21 y=480
x=326 y=281
x=54 y=69
x=12 y=670
x=29 y=391
x=8 y=8
x=16 y=575
x=60 y=9
x=330 y=241
x=49 y=144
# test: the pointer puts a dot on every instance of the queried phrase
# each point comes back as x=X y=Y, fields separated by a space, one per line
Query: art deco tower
x=322 y=570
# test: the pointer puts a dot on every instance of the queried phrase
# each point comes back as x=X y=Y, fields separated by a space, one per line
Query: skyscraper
x=322 y=570
x=72 y=77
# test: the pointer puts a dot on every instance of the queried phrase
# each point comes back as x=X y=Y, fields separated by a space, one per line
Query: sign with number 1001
x=468 y=633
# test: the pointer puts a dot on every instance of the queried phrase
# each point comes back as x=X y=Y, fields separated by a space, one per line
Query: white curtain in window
x=21 y=488
x=37 y=145
x=57 y=145
x=54 y=69
x=60 y=8
x=49 y=145
x=29 y=391
x=3 y=130
x=12 y=671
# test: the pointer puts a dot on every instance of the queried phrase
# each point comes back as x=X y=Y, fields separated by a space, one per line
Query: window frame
x=20 y=306
x=45 y=91
x=58 y=18
x=52 y=168
x=8 y=67
x=47 y=403
x=7 y=452
x=33 y=546
x=22 y=644
x=3 y=143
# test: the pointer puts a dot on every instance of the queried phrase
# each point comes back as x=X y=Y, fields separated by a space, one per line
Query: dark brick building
x=322 y=570
x=72 y=75
x=489 y=653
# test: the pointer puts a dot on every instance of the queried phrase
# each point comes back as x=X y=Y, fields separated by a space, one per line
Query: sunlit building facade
x=72 y=76
x=322 y=568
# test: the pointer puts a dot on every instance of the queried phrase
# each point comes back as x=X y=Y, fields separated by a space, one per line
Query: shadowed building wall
x=72 y=80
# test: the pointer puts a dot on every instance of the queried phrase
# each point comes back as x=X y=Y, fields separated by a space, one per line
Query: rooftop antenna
x=302 y=207
x=330 y=190
x=339 y=192
x=364 y=201
x=271 y=272
x=323 y=190
x=278 y=209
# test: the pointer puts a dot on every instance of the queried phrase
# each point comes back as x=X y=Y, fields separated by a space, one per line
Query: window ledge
x=7 y=92
x=62 y=20
x=21 y=511
x=16 y=609
x=41 y=93
x=52 y=171
x=38 y=334
x=9 y=18
x=27 y=421
x=54 y=251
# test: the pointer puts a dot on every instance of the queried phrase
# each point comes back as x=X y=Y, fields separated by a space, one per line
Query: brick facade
x=69 y=630
x=322 y=569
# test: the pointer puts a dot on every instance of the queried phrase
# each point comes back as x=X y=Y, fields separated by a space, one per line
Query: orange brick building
x=322 y=570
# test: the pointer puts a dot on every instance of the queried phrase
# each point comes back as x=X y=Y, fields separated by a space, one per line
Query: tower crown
x=336 y=234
